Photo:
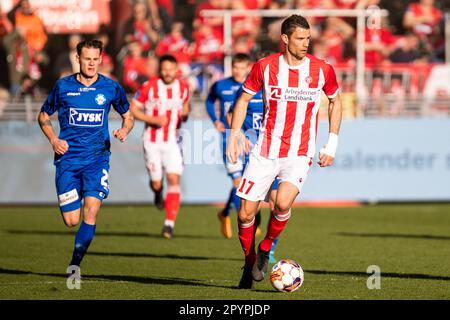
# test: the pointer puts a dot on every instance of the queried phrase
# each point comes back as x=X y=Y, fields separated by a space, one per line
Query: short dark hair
x=96 y=44
x=167 y=57
x=241 y=57
x=290 y=24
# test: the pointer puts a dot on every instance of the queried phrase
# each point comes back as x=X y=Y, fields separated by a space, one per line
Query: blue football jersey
x=225 y=91
x=254 y=116
x=83 y=116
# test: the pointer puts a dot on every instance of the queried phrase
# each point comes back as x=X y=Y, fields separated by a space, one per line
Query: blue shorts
x=77 y=181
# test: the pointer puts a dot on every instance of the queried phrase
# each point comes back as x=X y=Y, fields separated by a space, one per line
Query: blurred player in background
x=82 y=150
x=162 y=103
x=225 y=91
x=292 y=82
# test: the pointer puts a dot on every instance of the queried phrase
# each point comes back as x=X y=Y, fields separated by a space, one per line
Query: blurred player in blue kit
x=82 y=150
x=225 y=91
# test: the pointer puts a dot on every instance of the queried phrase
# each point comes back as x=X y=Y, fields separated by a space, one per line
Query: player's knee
x=283 y=205
x=156 y=185
x=173 y=180
x=71 y=222
x=245 y=217
x=90 y=214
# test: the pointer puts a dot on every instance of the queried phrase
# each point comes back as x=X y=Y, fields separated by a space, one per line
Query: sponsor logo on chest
x=294 y=94
x=86 y=117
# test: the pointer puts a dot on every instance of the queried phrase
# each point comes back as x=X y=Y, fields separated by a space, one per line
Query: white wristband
x=331 y=146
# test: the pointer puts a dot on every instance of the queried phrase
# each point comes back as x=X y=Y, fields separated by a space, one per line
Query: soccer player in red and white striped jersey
x=292 y=83
x=162 y=103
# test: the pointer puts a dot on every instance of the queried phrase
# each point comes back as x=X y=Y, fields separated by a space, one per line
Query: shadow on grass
x=393 y=235
x=383 y=275
x=153 y=255
x=111 y=234
x=125 y=278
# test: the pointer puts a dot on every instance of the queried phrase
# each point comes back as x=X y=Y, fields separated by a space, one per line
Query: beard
x=298 y=56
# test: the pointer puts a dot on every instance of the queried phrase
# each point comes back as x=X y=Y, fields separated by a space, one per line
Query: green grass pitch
x=128 y=259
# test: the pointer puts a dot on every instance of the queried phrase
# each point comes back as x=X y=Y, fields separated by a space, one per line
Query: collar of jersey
x=76 y=80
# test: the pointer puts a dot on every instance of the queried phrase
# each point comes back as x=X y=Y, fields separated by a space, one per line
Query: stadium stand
x=404 y=53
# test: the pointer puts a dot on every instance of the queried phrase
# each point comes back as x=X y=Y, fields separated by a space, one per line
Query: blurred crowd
x=412 y=33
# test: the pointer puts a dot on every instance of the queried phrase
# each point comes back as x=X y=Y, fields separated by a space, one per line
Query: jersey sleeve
x=141 y=94
x=210 y=102
x=51 y=104
x=255 y=79
x=185 y=93
x=331 y=87
x=120 y=102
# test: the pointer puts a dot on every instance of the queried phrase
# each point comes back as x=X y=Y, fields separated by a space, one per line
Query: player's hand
x=235 y=146
x=219 y=126
x=325 y=160
x=121 y=134
x=59 y=146
x=232 y=149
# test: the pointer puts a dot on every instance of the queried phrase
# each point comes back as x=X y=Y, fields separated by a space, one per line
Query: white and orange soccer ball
x=286 y=275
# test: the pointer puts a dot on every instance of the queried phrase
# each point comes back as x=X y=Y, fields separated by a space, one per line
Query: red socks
x=172 y=203
x=247 y=239
x=277 y=223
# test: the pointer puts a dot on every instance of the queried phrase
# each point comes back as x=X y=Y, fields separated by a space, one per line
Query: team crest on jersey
x=309 y=79
x=86 y=117
x=100 y=99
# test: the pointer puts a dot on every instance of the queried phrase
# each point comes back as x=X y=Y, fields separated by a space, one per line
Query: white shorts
x=261 y=172
x=160 y=157
x=234 y=170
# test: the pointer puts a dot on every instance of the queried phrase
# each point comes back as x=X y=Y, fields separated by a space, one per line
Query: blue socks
x=274 y=244
x=236 y=199
x=226 y=210
x=83 y=239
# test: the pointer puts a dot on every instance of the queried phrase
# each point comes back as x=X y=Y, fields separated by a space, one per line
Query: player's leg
x=68 y=185
x=272 y=198
x=95 y=189
x=234 y=171
x=153 y=163
x=226 y=210
x=173 y=163
x=71 y=218
x=247 y=229
x=255 y=183
x=279 y=216
x=86 y=232
x=292 y=174
x=171 y=204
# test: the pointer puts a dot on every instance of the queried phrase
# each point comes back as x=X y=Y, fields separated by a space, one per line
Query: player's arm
x=139 y=114
x=127 y=125
x=236 y=139
x=185 y=111
x=211 y=108
x=59 y=146
x=327 y=153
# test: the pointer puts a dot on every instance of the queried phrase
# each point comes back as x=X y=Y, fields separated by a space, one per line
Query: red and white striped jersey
x=158 y=99
x=292 y=99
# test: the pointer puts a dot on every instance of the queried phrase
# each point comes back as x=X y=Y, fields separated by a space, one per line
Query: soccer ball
x=286 y=275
